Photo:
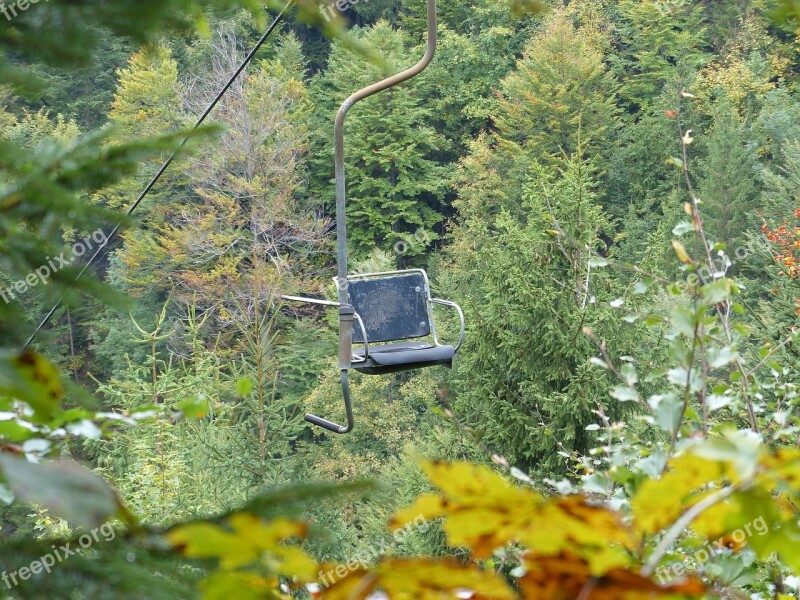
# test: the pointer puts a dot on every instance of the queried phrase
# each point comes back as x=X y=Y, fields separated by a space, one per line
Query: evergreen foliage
x=609 y=189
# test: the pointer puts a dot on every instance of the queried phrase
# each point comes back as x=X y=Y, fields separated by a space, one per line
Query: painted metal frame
x=430 y=301
x=347 y=314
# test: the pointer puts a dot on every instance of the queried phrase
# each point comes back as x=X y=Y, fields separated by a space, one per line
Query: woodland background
x=609 y=189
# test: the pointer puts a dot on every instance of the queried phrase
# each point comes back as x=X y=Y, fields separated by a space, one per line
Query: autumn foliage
x=787 y=241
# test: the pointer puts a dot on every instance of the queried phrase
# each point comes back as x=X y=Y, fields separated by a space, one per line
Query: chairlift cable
x=166 y=165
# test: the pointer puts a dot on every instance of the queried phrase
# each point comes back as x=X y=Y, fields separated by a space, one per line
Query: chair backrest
x=394 y=307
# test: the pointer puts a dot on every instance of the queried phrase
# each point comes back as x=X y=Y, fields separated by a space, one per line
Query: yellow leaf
x=660 y=502
x=242 y=586
x=429 y=506
x=204 y=540
x=266 y=536
x=252 y=540
x=421 y=579
x=595 y=533
x=681 y=252
x=465 y=480
x=484 y=512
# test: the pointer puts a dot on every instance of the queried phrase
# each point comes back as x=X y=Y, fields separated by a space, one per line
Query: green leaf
x=628 y=372
x=654 y=320
x=194 y=408
x=717 y=401
x=244 y=387
x=678 y=353
x=717 y=291
x=775 y=366
x=655 y=374
x=682 y=227
x=29 y=377
x=598 y=262
x=675 y=162
x=719 y=357
x=64 y=487
x=12 y=431
x=6 y=495
x=667 y=409
x=624 y=394
x=643 y=285
x=682 y=376
x=683 y=321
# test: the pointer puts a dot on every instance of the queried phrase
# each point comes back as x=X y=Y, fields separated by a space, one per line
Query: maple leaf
x=567 y=576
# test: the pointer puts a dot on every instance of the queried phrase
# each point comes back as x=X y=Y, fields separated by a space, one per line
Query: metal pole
x=341 y=187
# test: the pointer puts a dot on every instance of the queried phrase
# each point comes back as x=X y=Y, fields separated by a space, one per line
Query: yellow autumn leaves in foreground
x=557 y=548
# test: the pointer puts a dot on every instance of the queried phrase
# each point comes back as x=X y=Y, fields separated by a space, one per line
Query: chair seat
x=403 y=356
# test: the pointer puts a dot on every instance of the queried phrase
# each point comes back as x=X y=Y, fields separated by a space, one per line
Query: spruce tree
x=523 y=380
x=728 y=184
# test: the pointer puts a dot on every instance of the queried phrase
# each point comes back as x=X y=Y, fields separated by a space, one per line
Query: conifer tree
x=728 y=186
x=241 y=209
x=523 y=379
x=658 y=44
x=560 y=85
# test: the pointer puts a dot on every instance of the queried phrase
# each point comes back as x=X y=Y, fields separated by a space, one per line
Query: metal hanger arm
x=341 y=188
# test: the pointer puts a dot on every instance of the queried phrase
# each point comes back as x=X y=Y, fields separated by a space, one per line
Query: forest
x=609 y=189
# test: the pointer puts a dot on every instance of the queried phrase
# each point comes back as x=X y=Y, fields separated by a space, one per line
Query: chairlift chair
x=388 y=316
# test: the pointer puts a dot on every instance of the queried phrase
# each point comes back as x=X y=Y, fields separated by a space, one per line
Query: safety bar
x=460 y=316
x=311 y=301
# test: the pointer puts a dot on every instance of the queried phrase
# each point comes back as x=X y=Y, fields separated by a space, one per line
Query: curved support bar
x=330 y=425
x=460 y=316
x=341 y=188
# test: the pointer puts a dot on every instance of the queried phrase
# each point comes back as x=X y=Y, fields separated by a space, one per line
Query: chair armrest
x=334 y=305
x=310 y=301
x=460 y=316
